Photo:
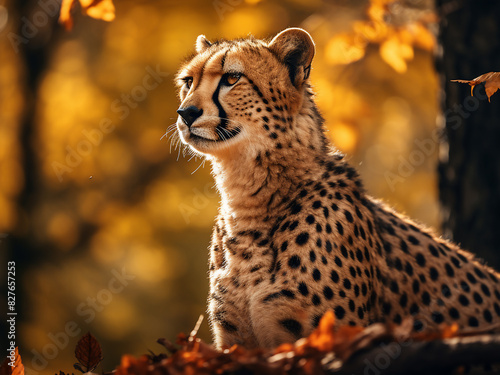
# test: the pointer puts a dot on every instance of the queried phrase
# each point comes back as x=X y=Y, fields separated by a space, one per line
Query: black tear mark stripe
x=224 y=132
x=222 y=112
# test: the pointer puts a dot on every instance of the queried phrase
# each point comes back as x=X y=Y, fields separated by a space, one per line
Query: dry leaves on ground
x=326 y=350
x=307 y=356
x=491 y=83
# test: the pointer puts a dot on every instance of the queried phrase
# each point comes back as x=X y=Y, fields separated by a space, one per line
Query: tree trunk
x=34 y=50
x=469 y=169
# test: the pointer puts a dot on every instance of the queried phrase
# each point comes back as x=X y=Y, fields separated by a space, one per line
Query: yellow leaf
x=345 y=48
x=17 y=369
x=404 y=36
x=491 y=83
x=382 y=2
x=65 y=17
x=378 y=9
x=374 y=32
x=99 y=9
x=322 y=337
x=423 y=38
x=376 y=12
x=396 y=53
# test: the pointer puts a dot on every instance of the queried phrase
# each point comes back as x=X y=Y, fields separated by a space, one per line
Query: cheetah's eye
x=188 y=81
x=230 y=79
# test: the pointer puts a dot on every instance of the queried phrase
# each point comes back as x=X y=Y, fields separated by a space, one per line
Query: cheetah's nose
x=190 y=114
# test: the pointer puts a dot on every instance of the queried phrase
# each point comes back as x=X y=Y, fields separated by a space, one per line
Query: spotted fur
x=296 y=234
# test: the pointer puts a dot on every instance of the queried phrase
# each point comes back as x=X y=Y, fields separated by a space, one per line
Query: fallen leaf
x=328 y=343
x=88 y=352
x=349 y=339
x=322 y=338
x=131 y=365
x=491 y=83
x=98 y=9
x=7 y=369
x=444 y=332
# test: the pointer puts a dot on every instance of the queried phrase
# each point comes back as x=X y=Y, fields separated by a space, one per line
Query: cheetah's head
x=243 y=94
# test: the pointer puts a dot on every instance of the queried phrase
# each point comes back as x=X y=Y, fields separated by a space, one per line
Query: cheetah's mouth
x=207 y=137
x=226 y=134
x=222 y=134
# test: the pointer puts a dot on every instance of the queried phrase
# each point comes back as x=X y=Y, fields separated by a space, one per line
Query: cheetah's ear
x=202 y=44
x=295 y=48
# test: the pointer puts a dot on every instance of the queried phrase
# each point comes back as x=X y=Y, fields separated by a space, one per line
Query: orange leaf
x=7 y=369
x=88 y=352
x=423 y=38
x=322 y=337
x=65 y=17
x=450 y=331
x=491 y=83
x=284 y=348
x=443 y=332
x=376 y=11
x=396 y=52
x=345 y=48
x=131 y=365
x=99 y=9
x=370 y=31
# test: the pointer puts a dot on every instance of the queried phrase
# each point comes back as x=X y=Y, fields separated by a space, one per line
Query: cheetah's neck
x=254 y=184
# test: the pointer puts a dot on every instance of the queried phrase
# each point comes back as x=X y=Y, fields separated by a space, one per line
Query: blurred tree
x=31 y=42
x=469 y=170
x=34 y=50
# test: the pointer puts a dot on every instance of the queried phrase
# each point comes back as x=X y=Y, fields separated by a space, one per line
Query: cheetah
x=296 y=234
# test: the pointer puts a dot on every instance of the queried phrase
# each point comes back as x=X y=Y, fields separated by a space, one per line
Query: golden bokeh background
x=113 y=196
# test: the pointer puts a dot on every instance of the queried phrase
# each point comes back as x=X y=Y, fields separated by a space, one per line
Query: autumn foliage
x=17 y=369
x=99 y=9
x=396 y=40
x=326 y=350
x=328 y=343
x=88 y=353
x=491 y=83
